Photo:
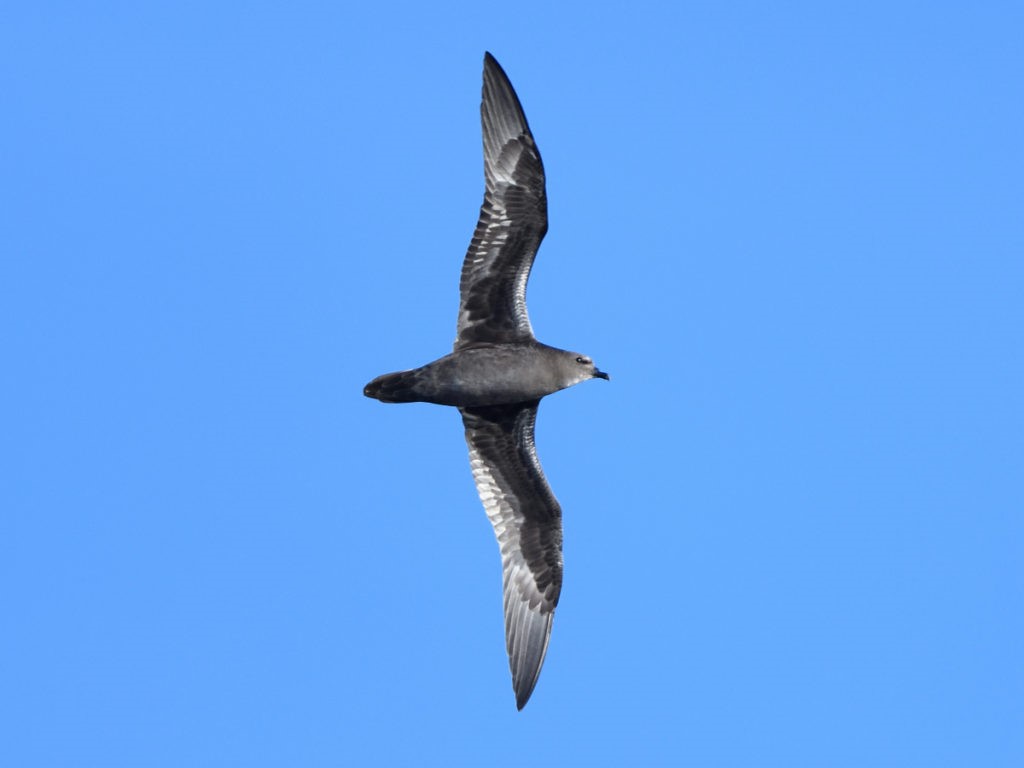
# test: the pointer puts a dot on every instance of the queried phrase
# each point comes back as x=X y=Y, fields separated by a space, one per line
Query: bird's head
x=583 y=368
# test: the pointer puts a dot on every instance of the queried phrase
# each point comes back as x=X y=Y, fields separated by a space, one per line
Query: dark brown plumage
x=496 y=375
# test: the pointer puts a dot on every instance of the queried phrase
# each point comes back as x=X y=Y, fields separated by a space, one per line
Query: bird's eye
x=582 y=360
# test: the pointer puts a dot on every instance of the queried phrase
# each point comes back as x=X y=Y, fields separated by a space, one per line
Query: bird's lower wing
x=527 y=522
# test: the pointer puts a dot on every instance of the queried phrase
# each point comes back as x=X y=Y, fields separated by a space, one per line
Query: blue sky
x=793 y=235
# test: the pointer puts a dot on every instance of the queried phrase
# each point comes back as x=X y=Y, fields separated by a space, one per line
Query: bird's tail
x=401 y=387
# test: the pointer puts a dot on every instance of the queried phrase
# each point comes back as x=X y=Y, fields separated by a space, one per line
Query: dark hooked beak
x=601 y=375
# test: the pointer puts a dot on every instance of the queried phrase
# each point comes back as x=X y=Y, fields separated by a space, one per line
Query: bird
x=497 y=374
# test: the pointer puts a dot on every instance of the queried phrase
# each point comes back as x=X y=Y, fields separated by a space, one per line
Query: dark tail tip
x=393 y=388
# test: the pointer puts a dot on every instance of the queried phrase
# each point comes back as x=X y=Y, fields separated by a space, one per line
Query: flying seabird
x=498 y=372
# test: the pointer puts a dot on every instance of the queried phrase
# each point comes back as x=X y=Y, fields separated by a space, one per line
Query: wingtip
x=529 y=635
x=491 y=64
x=523 y=695
x=524 y=688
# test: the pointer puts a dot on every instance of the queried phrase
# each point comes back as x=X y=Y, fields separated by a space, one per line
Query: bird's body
x=498 y=372
x=485 y=374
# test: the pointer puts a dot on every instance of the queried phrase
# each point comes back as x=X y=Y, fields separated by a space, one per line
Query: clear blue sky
x=793 y=519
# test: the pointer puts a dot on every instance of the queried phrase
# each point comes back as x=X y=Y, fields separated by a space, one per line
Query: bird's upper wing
x=513 y=220
x=527 y=521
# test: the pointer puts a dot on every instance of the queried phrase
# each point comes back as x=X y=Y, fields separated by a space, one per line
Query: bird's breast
x=491 y=375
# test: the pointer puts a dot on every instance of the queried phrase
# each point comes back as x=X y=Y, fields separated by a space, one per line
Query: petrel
x=498 y=372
